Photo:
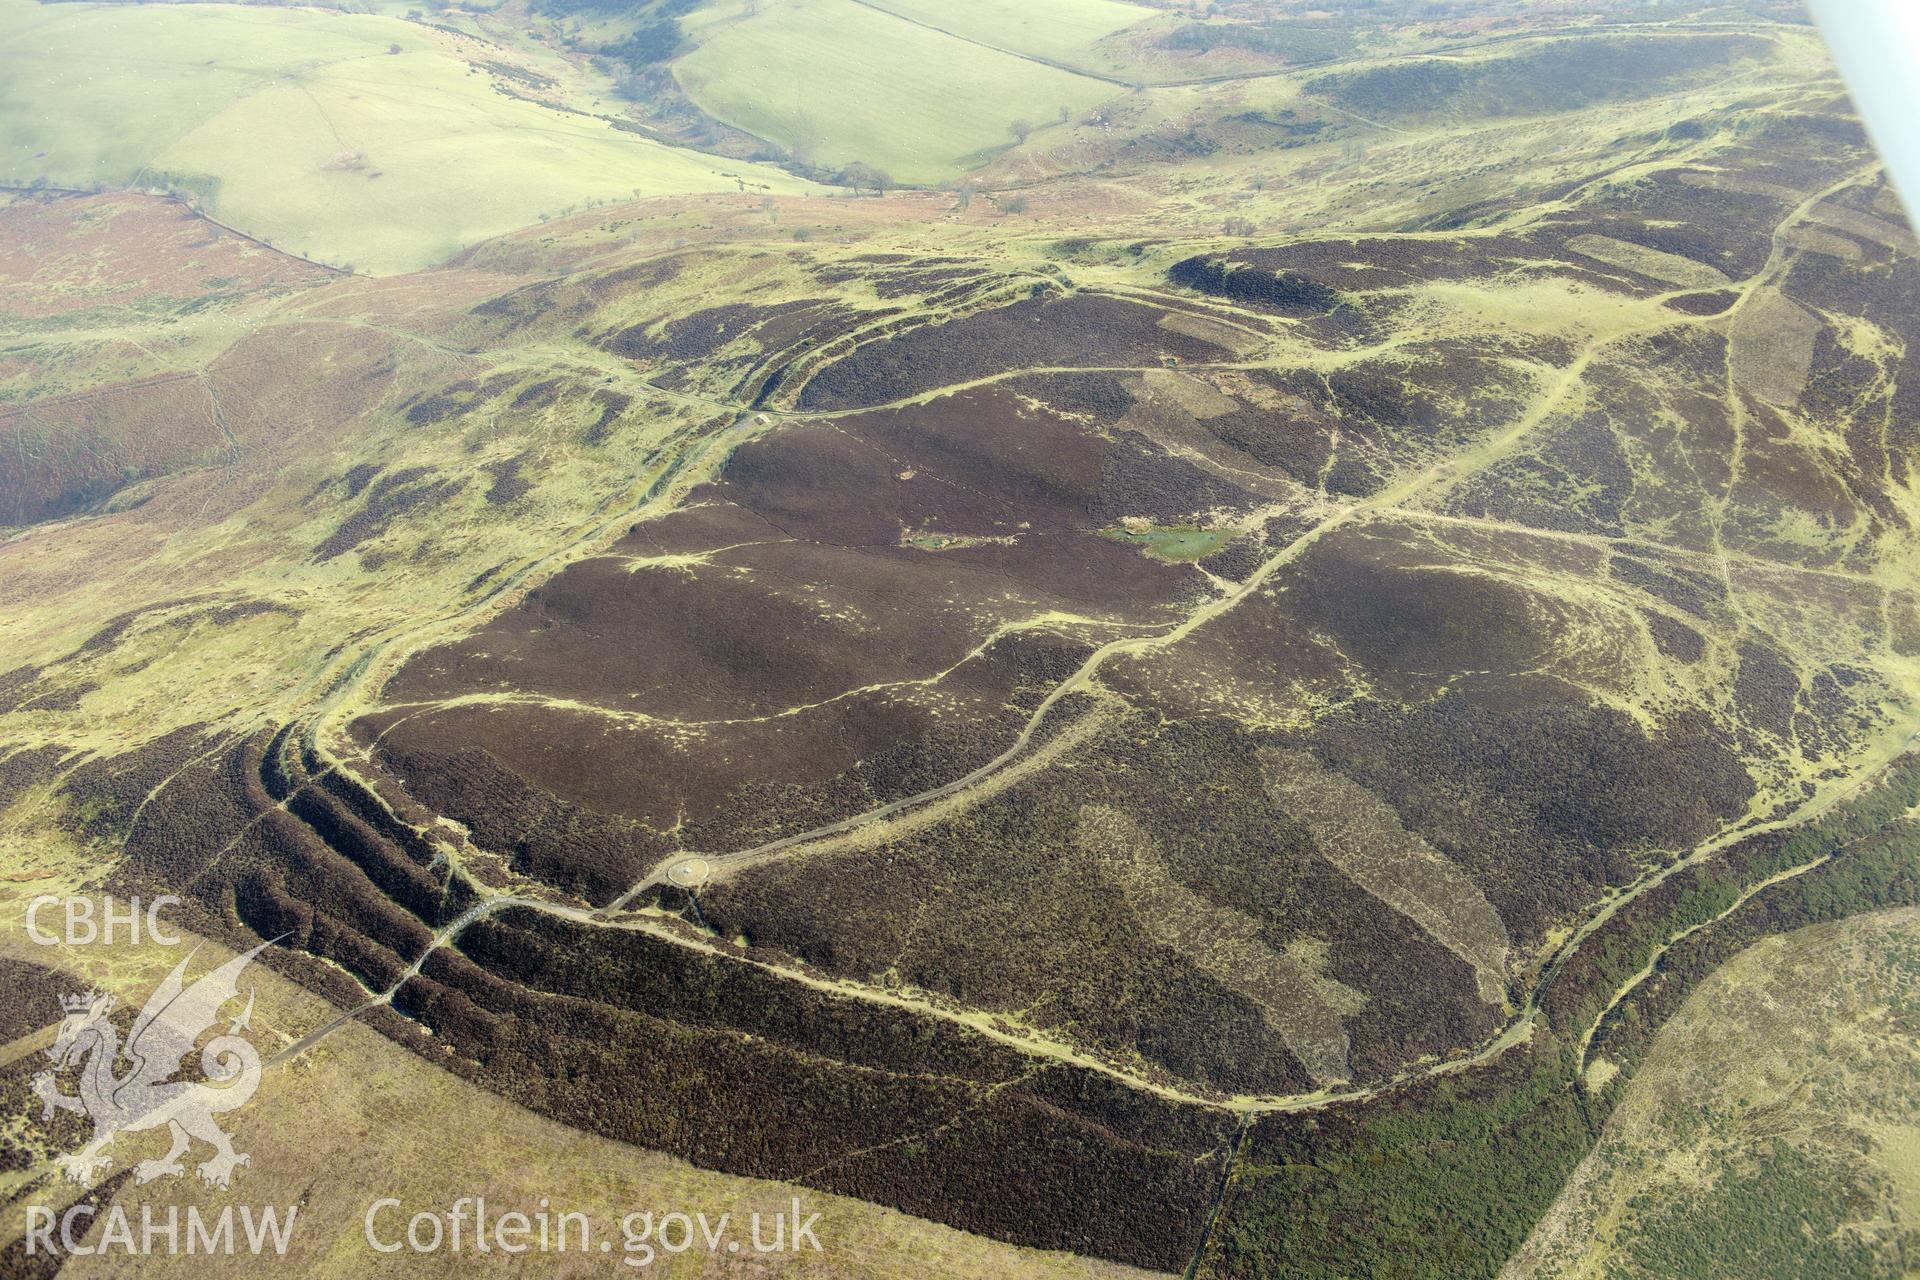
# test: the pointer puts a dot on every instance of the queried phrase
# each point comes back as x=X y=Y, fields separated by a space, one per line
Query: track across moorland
x=674 y=477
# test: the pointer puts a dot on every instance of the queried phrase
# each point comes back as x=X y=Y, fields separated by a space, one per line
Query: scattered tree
x=1014 y=204
x=1020 y=129
x=864 y=177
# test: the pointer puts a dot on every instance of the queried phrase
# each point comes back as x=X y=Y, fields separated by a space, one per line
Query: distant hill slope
x=835 y=81
x=355 y=140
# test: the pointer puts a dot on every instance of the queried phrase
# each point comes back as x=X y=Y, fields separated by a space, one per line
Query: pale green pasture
x=835 y=81
x=302 y=128
x=1062 y=30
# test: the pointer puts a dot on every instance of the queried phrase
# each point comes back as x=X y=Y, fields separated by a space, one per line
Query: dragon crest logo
x=129 y=1088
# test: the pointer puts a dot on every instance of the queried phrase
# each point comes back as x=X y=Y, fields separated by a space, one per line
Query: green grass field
x=302 y=128
x=1771 y=1131
x=1178 y=544
x=1063 y=31
x=834 y=82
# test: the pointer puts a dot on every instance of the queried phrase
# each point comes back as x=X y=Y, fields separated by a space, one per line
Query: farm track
x=197 y=212
x=1747 y=895
x=1490 y=411
x=996 y=775
x=1439 y=477
x=685 y=461
x=1518 y=1030
x=1292 y=68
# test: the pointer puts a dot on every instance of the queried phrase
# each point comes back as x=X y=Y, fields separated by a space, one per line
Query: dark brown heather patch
x=396 y=494
x=1710 y=303
x=1077 y=330
x=1541 y=797
x=508 y=484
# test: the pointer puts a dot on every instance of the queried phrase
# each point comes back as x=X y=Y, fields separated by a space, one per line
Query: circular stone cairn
x=689 y=873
